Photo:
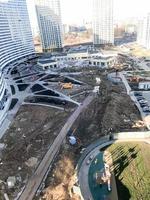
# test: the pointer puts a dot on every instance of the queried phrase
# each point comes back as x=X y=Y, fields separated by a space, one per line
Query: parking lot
x=146 y=95
x=143 y=99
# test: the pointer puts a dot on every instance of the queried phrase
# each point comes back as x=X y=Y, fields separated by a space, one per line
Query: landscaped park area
x=131 y=164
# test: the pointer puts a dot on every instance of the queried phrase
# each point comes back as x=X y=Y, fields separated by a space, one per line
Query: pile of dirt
x=63 y=178
x=120 y=114
x=112 y=111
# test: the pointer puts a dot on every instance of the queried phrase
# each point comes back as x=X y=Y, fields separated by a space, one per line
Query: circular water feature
x=98 y=191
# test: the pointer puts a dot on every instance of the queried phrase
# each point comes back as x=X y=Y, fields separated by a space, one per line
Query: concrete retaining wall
x=131 y=135
x=104 y=141
x=128 y=88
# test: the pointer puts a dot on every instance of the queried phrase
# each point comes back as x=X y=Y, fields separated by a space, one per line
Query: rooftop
x=46 y=61
x=60 y=54
x=103 y=57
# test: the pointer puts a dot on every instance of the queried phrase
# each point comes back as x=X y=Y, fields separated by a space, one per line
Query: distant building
x=130 y=28
x=50 y=25
x=148 y=32
x=103 y=31
x=143 y=32
x=47 y=63
x=145 y=85
x=119 y=30
x=87 y=24
x=66 y=28
x=92 y=58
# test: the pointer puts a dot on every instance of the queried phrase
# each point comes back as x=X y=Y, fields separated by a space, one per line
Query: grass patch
x=132 y=170
x=139 y=51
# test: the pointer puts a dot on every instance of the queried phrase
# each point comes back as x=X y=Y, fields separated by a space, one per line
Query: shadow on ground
x=123 y=161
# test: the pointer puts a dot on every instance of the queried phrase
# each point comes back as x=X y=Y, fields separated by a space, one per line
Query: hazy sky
x=75 y=11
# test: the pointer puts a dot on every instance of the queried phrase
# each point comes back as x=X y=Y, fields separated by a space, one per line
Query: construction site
x=74 y=100
x=111 y=111
x=39 y=122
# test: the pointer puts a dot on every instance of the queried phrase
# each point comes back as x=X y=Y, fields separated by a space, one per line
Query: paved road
x=34 y=182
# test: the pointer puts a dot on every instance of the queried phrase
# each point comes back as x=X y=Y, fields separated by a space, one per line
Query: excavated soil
x=26 y=142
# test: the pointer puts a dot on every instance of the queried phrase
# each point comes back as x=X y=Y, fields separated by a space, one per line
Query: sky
x=75 y=11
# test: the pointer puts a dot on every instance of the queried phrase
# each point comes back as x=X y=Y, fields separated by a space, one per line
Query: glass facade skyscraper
x=15 y=37
x=103 y=30
x=15 y=31
x=50 y=25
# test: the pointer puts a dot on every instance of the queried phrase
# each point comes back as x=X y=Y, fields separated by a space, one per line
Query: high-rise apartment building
x=50 y=25
x=103 y=30
x=143 y=32
x=15 y=31
x=15 y=38
x=148 y=32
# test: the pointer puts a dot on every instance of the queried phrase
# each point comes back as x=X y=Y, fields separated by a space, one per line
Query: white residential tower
x=143 y=33
x=50 y=25
x=103 y=30
x=15 y=31
x=15 y=39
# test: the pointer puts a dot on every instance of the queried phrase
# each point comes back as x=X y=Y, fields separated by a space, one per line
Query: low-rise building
x=144 y=85
x=102 y=62
x=47 y=64
x=93 y=58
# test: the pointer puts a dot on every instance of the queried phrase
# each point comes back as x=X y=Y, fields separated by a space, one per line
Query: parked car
x=146 y=109
x=138 y=93
x=140 y=98
x=143 y=105
x=142 y=101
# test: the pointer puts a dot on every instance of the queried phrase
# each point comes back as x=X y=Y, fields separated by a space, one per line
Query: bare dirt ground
x=77 y=92
x=78 y=37
x=139 y=51
x=21 y=155
x=112 y=108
